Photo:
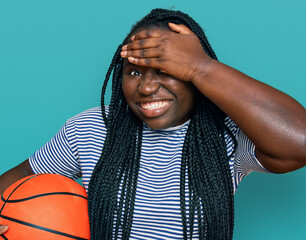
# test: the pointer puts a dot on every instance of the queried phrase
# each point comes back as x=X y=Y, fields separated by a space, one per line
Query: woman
x=181 y=131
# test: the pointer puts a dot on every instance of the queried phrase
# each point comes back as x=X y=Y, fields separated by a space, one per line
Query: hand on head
x=178 y=53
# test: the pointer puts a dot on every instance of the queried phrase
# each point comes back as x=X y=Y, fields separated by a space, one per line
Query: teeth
x=154 y=105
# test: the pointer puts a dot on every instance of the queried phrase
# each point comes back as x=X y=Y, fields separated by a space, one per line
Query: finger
x=180 y=28
x=142 y=53
x=151 y=33
x=3 y=229
x=146 y=62
x=142 y=43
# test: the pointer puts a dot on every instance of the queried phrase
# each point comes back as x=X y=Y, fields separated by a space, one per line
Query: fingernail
x=124 y=47
x=123 y=53
x=133 y=37
x=131 y=59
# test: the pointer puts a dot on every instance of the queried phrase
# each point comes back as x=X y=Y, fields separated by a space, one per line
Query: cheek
x=126 y=88
x=129 y=89
x=186 y=92
x=187 y=99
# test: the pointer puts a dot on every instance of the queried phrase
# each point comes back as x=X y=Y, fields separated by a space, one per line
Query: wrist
x=203 y=70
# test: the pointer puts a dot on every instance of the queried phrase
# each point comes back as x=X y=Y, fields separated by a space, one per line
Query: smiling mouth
x=151 y=106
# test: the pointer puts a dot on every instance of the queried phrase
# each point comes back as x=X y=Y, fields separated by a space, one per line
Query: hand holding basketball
x=44 y=206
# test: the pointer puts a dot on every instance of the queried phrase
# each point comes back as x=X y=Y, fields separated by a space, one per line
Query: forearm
x=13 y=175
x=274 y=121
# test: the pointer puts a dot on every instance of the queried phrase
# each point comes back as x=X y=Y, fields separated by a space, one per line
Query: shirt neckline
x=170 y=129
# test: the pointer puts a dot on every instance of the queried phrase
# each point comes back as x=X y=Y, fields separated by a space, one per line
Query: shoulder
x=88 y=114
x=90 y=120
x=92 y=115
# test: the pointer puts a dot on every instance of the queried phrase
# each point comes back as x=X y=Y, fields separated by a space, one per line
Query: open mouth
x=151 y=106
x=155 y=108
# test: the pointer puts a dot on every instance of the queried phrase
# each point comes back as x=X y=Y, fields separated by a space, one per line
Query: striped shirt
x=76 y=148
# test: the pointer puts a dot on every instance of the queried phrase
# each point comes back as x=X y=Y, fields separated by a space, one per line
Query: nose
x=148 y=85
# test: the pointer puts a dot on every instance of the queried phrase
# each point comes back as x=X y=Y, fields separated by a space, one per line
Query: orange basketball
x=45 y=206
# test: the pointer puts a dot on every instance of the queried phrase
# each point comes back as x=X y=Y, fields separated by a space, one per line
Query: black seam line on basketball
x=41 y=195
x=42 y=228
x=15 y=190
x=4 y=237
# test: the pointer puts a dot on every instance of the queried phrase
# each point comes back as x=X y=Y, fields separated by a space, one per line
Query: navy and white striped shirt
x=76 y=148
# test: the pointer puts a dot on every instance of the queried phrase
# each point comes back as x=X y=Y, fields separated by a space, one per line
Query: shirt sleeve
x=243 y=160
x=57 y=156
x=245 y=157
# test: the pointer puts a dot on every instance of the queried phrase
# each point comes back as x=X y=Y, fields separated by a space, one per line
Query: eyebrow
x=127 y=64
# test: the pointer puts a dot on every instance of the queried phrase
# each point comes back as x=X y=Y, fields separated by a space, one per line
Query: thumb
x=3 y=229
x=180 y=28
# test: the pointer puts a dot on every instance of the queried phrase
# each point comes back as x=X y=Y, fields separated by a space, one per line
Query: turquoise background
x=54 y=56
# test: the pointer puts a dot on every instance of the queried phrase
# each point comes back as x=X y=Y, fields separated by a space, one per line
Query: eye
x=158 y=71
x=134 y=73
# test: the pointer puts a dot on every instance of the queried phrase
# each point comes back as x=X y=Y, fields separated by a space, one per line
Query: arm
x=13 y=175
x=273 y=121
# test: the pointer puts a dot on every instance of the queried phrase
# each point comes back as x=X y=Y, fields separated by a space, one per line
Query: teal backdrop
x=54 y=56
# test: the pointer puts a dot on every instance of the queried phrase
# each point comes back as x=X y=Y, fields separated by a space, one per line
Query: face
x=157 y=99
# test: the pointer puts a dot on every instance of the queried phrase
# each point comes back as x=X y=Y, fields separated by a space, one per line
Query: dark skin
x=11 y=176
x=165 y=66
x=156 y=98
x=273 y=121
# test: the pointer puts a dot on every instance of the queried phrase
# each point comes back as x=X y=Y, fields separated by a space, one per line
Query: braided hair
x=112 y=188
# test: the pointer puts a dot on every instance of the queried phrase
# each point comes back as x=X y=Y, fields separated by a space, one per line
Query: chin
x=158 y=125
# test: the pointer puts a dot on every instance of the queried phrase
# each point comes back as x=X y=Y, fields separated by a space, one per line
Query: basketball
x=45 y=206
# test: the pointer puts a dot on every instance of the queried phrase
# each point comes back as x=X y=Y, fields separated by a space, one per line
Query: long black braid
x=204 y=159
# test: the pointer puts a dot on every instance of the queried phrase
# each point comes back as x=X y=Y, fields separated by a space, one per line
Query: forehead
x=126 y=63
